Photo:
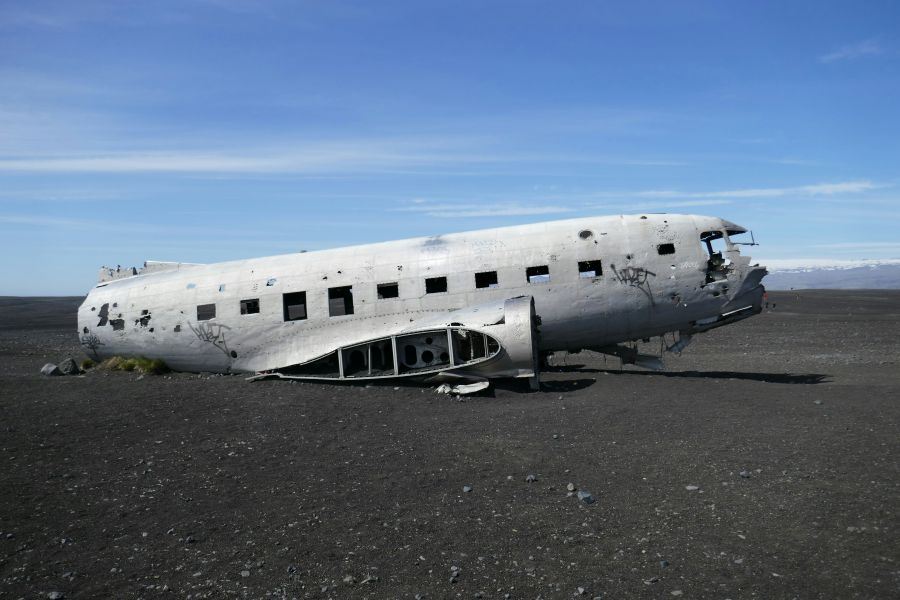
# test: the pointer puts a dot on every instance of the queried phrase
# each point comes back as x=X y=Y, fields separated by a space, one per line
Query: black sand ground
x=188 y=486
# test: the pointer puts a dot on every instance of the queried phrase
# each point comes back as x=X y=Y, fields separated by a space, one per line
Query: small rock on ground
x=585 y=497
x=68 y=367
x=50 y=370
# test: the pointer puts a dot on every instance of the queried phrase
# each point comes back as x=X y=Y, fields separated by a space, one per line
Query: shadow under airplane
x=791 y=378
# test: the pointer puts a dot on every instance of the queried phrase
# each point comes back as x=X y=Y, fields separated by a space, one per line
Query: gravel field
x=762 y=464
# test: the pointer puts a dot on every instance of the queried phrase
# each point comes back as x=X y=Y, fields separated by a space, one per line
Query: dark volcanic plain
x=187 y=486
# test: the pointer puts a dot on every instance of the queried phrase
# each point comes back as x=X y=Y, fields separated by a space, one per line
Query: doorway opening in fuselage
x=718 y=264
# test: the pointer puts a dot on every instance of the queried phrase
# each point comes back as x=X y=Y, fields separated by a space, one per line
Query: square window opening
x=435 y=285
x=294 y=306
x=340 y=301
x=664 y=249
x=590 y=268
x=487 y=279
x=205 y=312
x=539 y=274
x=388 y=290
x=250 y=307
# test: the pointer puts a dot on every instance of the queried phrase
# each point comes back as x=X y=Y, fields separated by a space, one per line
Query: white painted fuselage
x=595 y=282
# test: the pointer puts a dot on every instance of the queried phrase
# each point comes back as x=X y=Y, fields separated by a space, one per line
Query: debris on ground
x=50 y=370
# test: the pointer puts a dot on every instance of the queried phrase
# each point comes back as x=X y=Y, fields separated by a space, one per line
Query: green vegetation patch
x=150 y=366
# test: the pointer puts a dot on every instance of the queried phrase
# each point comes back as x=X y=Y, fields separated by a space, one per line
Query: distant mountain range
x=816 y=273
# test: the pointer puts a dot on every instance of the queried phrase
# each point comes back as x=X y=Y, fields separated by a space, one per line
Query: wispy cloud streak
x=818 y=189
x=381 y=155
x=660 y=205
x=863 y=49
x=470 y=210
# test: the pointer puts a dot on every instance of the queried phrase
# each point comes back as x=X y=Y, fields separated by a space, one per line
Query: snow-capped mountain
x=822 y=273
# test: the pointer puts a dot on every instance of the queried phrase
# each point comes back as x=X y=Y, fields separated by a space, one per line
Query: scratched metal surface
x=639 y=293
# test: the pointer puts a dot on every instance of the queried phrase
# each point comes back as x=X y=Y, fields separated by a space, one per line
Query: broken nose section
x=746 y=302
x=749 y=294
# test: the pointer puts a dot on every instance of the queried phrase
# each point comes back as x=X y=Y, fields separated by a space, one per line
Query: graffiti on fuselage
x=636 y=277
x=212 y=333
x=91 y=342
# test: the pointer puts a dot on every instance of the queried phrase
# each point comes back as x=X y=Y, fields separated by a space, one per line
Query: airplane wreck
x=464 y=307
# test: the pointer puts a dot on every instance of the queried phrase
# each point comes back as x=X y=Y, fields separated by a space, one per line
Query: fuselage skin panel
x=611 y=279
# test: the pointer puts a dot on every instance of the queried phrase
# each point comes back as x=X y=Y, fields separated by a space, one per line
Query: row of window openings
x=340 y=299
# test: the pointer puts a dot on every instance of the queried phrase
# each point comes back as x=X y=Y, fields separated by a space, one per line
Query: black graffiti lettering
x=636 y=277
x=212 y=333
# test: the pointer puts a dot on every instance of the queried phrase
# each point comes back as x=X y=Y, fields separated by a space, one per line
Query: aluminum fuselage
x=639 y=292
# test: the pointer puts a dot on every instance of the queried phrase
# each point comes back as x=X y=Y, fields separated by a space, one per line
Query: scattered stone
x=530 y=478
x=69 y=367
x=585 y=497
x=467 y=488
x=581 y=590
x=555 y=436
x=817 y=402
x=745 y=474
x=570 y=487
x=170 y=531
x=454 y=573
x=676 y=592
x=56 y=596
x=291 y=569
x=50 y=370
x=190 y=539
x=663 y=564
x=370 y=579
x=349 y=579
x=651 y=581
x=245 y=573
x=692 y=488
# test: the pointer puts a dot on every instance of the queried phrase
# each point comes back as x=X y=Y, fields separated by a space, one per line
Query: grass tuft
x=150 y=366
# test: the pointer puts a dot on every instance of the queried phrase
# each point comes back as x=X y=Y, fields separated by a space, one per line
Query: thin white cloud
x=498 y=209
x=387 y=155
x=664 y=205
x=859 y=245
x=171 y=232
x=312 y=157
x=818 y=189
x=865 y=48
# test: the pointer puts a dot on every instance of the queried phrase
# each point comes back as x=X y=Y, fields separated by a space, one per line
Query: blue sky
x=207 y=130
